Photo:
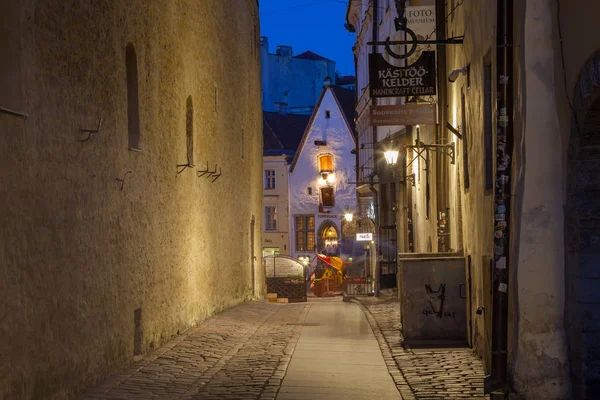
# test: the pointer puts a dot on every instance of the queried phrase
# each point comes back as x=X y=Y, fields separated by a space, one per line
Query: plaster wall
x=78 y=254
x=471 y=208
x=305 y=174
x=538 y=358
x=278 y=197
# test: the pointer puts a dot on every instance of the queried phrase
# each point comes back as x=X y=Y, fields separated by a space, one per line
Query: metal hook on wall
x=122 y=180
x=217 y=176
x=90 y=132
x=202 y=172
x=182 y=167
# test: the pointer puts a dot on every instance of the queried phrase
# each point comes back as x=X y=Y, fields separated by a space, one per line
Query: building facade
x=517 y=101
x=292 y=83
x=122 y=138
x=320 y=178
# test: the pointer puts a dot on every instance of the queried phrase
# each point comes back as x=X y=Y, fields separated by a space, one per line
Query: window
x=325 y=163
x=189 y=130
x=463 y=116
x=133 y=103
x=305 y=232
x=488 y=125
x=270 y=218
x=310 y=191
x=327 y=197
x=269 y=179
x=327 y=114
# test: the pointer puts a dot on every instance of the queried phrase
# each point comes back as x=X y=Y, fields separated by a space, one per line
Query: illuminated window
x=305 y=232
x=270 y=218
x=327 y=197
x=325 y=163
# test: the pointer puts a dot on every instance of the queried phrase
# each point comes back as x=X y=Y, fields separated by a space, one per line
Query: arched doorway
x=328 y=239
x=582 y=235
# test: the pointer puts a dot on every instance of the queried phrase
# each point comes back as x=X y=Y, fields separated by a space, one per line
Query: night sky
x=315 y=25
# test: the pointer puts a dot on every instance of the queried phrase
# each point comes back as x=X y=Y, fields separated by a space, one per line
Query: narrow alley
x=323 y=349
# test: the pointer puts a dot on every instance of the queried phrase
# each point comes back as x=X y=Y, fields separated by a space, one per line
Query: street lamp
x=348 y=215
x=391 y=157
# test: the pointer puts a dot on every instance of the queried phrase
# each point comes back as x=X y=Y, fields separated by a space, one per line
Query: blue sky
x=315 y=25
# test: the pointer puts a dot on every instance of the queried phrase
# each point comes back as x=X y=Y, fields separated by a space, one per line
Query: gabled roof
x=283 y=131
x=345 y=101
x=309 y=55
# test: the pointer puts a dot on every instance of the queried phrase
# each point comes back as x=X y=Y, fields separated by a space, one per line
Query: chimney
x=264 y=42
x=284 y=51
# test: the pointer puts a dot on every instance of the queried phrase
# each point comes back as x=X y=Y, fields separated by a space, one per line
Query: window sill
x=134 y=149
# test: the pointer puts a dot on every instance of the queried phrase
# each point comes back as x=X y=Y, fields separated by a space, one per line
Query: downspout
x=375 y=32
x=502 y=218
x=376 y=235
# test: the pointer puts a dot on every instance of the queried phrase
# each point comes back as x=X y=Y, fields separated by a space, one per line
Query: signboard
x=363 y=237
x=418 y=79
x=279 y=267
x=402 y=114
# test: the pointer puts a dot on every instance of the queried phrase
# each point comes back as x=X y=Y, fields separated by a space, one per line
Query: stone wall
x=94 y=270
x=578 y=83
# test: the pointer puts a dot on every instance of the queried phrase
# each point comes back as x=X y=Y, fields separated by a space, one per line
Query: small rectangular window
x=269 y=179
x=270 y=218
x=305 y=232
x=325 y=163
x=327 y=114
x=310 y=191
x=327 y=197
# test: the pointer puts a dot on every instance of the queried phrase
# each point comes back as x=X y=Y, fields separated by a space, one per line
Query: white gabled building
x=323 y=166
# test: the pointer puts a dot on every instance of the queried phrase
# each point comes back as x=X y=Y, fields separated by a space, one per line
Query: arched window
x=133 y=103
x=189 y=130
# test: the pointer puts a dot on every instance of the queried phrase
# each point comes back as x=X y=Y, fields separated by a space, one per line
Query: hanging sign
x=364 y=237
x=418 y=79
x=402 y=114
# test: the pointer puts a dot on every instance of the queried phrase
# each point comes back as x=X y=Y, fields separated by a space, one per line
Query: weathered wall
x=578 y=82
x=538 y=354
x=278 y=197
x=471 y=208
x=78 y=255
x=537 y=341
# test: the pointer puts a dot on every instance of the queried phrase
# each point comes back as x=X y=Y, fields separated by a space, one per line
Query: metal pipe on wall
x=375 y=33
x=504 y=140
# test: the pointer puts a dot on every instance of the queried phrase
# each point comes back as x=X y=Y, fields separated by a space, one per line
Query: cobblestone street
x=320 y=349
x=241 y=353
x=423 y=373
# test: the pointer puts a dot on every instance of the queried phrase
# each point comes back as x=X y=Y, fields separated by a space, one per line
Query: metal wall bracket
x=90 y=132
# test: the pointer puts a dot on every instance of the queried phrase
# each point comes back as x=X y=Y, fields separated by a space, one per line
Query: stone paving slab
x=422 y=374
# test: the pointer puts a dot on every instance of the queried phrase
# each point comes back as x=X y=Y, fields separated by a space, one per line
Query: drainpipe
x=374 y=141
x=502 y=218
x=376 y=235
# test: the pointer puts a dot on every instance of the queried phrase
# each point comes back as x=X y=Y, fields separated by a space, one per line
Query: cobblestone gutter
x=422 y=374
